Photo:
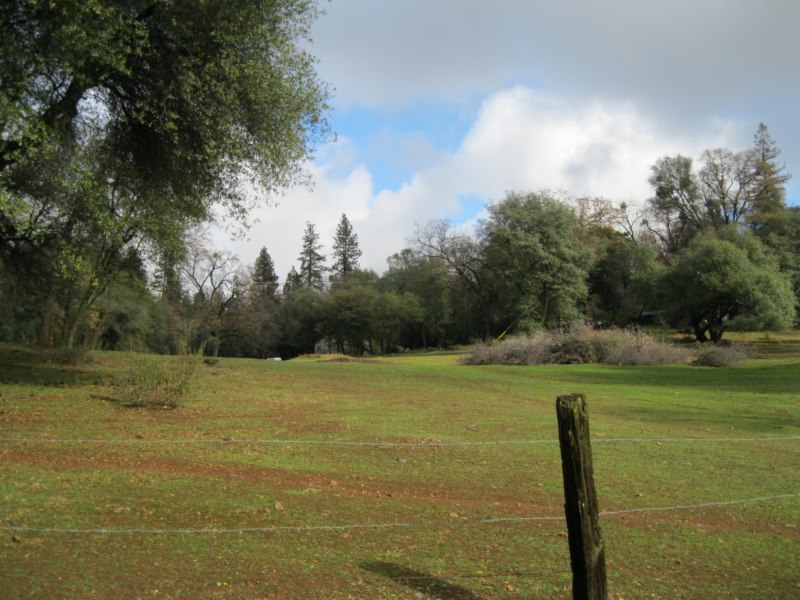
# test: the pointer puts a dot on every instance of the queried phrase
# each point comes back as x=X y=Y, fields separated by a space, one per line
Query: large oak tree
x=122 y=122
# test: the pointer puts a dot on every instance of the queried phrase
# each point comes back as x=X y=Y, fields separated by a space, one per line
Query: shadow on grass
x=22 y=365
x=427 y=584
x=40 y=374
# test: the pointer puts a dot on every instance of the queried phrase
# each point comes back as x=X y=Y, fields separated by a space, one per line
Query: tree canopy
x=725 y=275
x=533 y=250
x=122 y=123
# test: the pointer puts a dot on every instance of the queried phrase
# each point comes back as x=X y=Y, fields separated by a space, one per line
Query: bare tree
x=729 y=184
x=211 y=277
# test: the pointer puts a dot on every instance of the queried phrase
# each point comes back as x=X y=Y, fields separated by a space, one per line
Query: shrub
x=636 y=348
x=721 y=355
x=155 y=381
x=580 y=345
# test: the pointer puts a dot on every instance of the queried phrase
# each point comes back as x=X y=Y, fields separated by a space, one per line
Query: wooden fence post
x=586 y=546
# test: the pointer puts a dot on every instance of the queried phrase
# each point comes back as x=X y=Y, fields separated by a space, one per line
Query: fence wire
x=375 y=526
x=378 y=444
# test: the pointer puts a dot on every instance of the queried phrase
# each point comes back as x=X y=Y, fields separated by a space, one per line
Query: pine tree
x=264 y=276
x=771 y=177
x=312 y=263
x=292 y=283
x=345 y=248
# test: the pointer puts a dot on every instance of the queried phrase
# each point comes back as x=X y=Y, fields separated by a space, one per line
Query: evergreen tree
x=293 y=282
x=264 y=277
x=345 y=248
x=770 y=177
x=312 y=263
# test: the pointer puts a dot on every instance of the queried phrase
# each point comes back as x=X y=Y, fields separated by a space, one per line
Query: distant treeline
x=712 y=249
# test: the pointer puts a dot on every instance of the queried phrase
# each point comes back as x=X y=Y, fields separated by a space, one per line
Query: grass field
x=132 y=518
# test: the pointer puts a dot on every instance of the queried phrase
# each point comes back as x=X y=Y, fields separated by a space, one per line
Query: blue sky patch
x=396 y=143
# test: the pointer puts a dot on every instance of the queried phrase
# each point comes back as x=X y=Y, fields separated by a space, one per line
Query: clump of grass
x=155 y=381
x=721 y=355
x=580 y=345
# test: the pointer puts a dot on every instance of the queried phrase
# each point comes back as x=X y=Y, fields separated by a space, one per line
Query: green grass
x=749 y=550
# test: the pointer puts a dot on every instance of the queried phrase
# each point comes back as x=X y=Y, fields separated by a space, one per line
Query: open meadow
x=401 y=477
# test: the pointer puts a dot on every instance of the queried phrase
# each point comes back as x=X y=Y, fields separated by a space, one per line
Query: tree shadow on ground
x=429 y=585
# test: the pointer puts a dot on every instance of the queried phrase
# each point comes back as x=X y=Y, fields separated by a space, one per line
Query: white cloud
x=522 y=139
x=687 y=61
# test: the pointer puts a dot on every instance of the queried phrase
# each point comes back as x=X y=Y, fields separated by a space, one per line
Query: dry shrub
x=637 y=348
x=580 y=345
x=721 y=355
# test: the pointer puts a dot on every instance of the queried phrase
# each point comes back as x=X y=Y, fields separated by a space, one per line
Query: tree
x=292 y=283
x=771 y=177
x=728 y=185
x=539 y=264
x=427 y=279
x=299 y=319
x=675 y=212
x=623 y=281
x=212 y=277
x=391 y=314
x=347 y=318
x=264 y=278
x=464 y=259
x=726 y=275
x=312 y=263
x=345 y=248
x=192 y=95
x=781 y=233
x=122 y=122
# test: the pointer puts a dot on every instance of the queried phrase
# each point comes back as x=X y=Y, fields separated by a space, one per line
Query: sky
x=442 y=106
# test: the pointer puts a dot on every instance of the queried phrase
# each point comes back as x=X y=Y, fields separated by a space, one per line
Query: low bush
x=155 y=381
x=721 y=355
x=580 y=345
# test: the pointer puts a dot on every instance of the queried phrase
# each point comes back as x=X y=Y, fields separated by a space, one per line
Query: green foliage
x=770 y=177
x=264 y=279
x=623 y=282
x=312 y=262
x=540 y=267
x=155 y=381
x=356 y=315
x=124 y=123
x=346 y=251
x=427 y=279
x=781 y=234
x=725 y=275
x=298 y=319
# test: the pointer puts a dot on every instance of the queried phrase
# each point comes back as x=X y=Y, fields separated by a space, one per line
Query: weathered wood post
x=586 y=546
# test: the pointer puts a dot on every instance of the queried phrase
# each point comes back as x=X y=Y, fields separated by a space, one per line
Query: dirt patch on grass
x=333 y=483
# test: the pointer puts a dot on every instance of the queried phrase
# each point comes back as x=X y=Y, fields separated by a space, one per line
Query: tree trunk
x=700 y=332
